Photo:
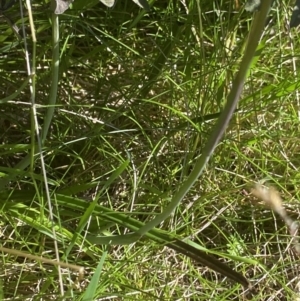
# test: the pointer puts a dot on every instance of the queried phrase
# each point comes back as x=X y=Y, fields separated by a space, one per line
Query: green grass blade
x=233 y=97
x=90 y=209
x=15 y=94
x=90 y=292
x=189 y=249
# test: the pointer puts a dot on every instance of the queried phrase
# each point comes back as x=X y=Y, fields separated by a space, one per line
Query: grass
x=138 y=96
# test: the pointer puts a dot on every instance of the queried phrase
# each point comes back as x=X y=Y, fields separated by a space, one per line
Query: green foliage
x=125 y=102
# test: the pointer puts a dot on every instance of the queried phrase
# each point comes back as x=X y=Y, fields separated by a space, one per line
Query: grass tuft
x=124 y=117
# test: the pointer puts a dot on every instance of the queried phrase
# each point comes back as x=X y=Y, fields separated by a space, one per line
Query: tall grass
x=125 y=102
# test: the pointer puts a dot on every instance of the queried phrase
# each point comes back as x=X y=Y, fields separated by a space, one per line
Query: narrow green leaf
x=90 y=209
x=90 y=291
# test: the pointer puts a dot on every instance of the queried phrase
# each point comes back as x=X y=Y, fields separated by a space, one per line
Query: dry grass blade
x=270 y=196
x=74 y=267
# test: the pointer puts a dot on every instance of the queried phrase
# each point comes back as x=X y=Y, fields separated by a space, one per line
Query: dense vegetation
x=100 y=143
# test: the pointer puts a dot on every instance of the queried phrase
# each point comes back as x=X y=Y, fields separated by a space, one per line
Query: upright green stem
x=220 y=127
x=25 y=162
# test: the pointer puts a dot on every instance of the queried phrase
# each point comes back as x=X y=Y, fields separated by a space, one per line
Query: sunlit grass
x=137 y=88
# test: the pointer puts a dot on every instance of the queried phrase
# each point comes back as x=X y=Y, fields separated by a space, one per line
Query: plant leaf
x=61 y=6
x=143 y=4
x=108 y=3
